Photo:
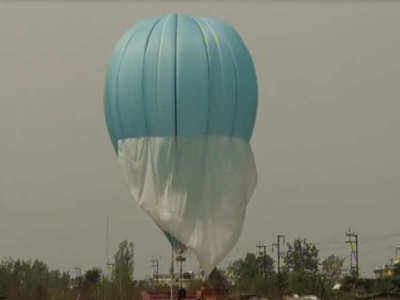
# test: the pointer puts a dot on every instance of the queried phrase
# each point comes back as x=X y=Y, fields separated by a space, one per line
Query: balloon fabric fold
x=180 y=105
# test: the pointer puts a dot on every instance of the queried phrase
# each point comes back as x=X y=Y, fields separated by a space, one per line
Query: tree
x=6 y=267
x=217 y=280
x=302 y=256
x=24 y=279
x=93 y=276
x=244 y=272
x=396 y=269
x=302 y=270
x=124 y=266
x=332 y=266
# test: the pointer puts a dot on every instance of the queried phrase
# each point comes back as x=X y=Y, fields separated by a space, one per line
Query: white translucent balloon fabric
x=195 y=188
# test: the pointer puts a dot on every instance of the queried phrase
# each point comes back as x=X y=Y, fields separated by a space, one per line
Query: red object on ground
x=210 y=294
x=162 y=296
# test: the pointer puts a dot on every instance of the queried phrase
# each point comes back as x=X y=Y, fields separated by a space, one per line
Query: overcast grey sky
x=326 y=140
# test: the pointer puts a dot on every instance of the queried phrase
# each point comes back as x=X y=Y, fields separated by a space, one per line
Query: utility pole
x=172 y=274
x=352 y=239
x=155 y=265
x=109 y=265
x=180 y=258
x=263 y=247
x=278 y=252
x=78 y=275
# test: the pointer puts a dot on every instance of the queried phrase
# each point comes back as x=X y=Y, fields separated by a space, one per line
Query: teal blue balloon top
x=180 y=76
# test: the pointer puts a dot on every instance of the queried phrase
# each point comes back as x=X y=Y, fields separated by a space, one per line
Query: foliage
x=124 y=262
x=29 y=279
x=254 y=274
x=194 y=285
x=217 y=280
x=302 y=272
x=93 y=276
x=33 y=280
x=244 y=272
x=260 y=286
x=310 y=283
x=396 y=269
x=301 y=256
x=332 y=266
x=387 y=285
x=124 y=265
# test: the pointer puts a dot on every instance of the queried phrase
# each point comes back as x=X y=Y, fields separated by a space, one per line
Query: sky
x=326 y=140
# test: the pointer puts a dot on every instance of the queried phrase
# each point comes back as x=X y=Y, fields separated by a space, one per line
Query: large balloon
x=180 y=106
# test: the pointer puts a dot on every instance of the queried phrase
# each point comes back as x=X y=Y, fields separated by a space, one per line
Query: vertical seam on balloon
x=206 y=46
x=217 y=42
x=115 y=123
x=175 y=76
x=252 y=64
x=143 y=90
x=108 y=89
x=234 y=63
x=118 y=109
x=155 y=178
x=175 y=144
x=107 y=109
x=206 y=136
x=159 y=58
x=143 y=78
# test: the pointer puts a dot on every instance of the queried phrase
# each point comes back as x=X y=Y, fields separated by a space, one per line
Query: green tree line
x=303 y=272
x=33 y=280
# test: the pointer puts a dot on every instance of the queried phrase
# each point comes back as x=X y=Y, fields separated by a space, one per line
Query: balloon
x=180 y=106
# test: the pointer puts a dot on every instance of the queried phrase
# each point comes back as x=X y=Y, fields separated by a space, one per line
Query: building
x=386 y=270
x=165 y=279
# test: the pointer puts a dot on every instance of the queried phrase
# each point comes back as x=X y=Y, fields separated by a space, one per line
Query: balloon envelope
x=180 y=106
